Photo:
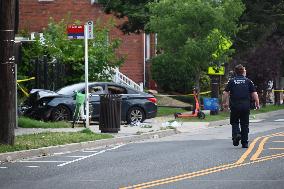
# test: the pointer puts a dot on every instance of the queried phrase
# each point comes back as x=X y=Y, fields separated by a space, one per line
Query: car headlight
x=43 y=102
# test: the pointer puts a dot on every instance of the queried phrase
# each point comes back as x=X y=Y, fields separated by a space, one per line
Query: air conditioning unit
x=94 y=1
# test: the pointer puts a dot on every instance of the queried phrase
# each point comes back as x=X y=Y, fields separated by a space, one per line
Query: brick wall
x=34 y=16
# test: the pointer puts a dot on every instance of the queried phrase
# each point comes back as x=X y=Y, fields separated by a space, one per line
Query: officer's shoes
x=236 y=140
x=245 y=145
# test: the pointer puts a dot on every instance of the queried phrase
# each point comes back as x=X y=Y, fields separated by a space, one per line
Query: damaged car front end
x=47 y=105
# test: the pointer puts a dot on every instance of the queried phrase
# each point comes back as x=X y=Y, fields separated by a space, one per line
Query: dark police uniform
x=240 y=89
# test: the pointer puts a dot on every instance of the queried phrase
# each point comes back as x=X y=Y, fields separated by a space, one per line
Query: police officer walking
x=237 y=95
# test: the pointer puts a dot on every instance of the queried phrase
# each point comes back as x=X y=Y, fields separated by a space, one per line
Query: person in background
x=237 y=96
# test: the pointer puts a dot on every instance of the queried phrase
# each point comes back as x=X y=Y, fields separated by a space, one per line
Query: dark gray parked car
x=60 y=105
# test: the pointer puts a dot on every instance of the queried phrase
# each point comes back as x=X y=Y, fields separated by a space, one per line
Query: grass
x=268 y=108
x=226 y=115
x=25 y=122
x=34 y=141
x=208 y=118
x=163 y=111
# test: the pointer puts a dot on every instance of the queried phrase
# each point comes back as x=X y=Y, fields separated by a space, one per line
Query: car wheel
x=135 y=114
x=60 y=113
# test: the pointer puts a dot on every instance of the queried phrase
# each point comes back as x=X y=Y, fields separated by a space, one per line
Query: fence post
x=35 y=63
x=57 y=74
x=45 y=72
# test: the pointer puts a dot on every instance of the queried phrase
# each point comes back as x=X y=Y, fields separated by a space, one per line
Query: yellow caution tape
x=277 y=90
x=23 y=90
x=23 y=80
x=202 y=93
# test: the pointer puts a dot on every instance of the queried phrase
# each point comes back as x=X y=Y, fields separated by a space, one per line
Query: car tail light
x=154 y=100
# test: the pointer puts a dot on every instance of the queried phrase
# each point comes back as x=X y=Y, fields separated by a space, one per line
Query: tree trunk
x=277 y=93
x=264 y=97
x=197 y=80
x=7 y=72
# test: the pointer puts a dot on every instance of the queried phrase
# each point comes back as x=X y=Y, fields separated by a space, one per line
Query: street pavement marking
x=279 y=120
x=239 y=163
x=3 y=167
x=251 y=146
x=200 y=173
x=79 y=159
x=89 y=151
x=245 y=155
x=91 y=155
x=276 y=148
x=59 y=153
x=28 y=161
x=260 y=149
x=261 y=145
x=74 y=156
x=32 y=166
x=255 y=120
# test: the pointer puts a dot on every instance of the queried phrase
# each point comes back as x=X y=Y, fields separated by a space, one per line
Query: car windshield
x=69 y=90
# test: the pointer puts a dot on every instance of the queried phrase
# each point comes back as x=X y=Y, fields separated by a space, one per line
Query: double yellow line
x=254 y=159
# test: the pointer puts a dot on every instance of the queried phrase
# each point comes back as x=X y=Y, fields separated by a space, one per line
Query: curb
x=11 y=156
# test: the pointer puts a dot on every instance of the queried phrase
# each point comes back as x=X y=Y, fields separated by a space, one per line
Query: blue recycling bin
x=211 y=104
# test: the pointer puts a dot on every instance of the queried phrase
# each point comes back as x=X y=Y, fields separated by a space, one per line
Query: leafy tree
x=192 y=34
x=136 y=11
x=102 y=56
x=259 y=44
x=260 y=20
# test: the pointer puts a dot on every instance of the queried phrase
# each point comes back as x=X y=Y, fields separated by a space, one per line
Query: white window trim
x=94 y=1
x=148 y=46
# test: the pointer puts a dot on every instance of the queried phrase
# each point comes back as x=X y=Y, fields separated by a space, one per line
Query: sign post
x=86 y=75
x=215 y=72
x=84 y=32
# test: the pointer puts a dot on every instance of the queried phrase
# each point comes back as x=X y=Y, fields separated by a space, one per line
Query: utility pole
x=7 y=72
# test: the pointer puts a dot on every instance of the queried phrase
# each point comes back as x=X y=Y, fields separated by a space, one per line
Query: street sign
x=75 y=31
x=214 y=70
x=90 y=28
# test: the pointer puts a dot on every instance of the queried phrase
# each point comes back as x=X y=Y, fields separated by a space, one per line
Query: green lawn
x=25 y=122
x=268 y=108
x=226 y=115
x=164 y=111
x=208 y=118
x=33 y=141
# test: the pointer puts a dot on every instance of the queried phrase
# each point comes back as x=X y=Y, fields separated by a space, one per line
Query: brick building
x=34 y=16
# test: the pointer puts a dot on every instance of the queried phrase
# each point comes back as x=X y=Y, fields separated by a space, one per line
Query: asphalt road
x=200 y=159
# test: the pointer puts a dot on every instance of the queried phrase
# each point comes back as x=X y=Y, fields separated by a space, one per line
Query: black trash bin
x=110 y=113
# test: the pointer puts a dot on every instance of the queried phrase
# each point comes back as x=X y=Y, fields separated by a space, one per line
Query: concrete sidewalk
x=148 y=126
x=151 y=128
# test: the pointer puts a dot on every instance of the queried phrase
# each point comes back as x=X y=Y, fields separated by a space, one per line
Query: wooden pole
x=7 y=72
